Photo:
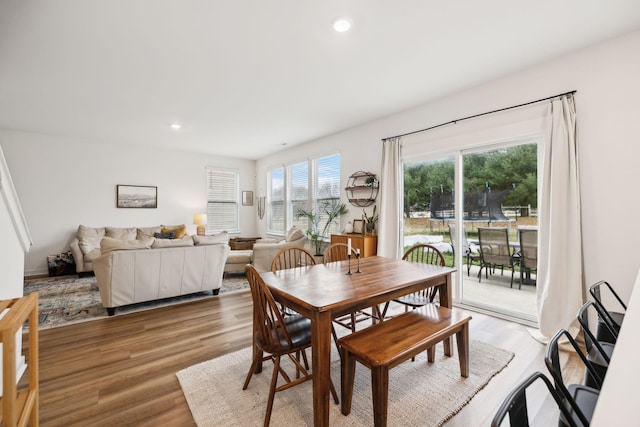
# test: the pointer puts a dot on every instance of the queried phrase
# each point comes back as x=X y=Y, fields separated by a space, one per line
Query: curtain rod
x=482 y=114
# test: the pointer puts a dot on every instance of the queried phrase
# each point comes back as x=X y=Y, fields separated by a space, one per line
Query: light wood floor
x=120 y=371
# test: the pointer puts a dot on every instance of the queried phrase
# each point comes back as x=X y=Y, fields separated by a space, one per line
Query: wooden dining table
x=324 y=292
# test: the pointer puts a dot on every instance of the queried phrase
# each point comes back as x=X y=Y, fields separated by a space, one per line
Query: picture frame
x=136 y=196
x=247 y=198
x=358 y=226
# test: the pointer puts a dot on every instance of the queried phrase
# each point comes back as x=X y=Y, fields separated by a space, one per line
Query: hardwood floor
x=120 y=371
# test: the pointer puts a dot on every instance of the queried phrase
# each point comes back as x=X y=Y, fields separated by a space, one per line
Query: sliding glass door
x=490 y=188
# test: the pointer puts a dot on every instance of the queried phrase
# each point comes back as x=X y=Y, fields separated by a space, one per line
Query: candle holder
x=349 y=258
x=358 y=262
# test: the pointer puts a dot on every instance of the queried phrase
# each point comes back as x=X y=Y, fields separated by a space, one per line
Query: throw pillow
x=295 y=235
x=146 y=232
x=89 y=238
x=129 y=233
x=109 y=244
x=222 y=237
x=172 y=243
x=171 y=235
x=180 y=230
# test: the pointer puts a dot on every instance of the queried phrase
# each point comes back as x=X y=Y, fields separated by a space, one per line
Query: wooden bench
x=387 y=344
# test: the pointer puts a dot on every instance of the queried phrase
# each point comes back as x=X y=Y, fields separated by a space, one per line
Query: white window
x=309 y=184
x=222 y=200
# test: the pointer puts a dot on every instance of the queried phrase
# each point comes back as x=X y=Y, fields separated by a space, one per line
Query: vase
x=348 y=228
x=370 y=228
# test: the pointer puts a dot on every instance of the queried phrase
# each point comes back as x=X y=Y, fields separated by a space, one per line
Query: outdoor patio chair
x=495 y=251
x=610 y=322
x=528 y=253
x=470 y=256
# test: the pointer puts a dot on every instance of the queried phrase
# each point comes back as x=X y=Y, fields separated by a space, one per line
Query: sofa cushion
x=118 y=233
x=171 y=235
x=172 y=243
x=294 y=233
x=180 y=230
x=109 y=244
x=89 y=238
x=146 y=232
x=222 y=237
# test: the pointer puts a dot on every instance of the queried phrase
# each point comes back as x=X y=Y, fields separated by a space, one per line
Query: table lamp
x=200 y=220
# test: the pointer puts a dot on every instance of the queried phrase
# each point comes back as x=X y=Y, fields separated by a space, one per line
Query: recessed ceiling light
x=176 y=126
x=341 y=25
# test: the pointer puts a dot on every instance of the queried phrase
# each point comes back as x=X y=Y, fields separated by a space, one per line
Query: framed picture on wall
x=136 y=196
x=247 y=198
x=358 y=226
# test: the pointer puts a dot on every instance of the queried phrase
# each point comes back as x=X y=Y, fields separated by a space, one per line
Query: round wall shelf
x=362 y=189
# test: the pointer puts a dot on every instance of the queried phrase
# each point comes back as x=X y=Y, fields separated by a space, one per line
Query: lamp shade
x=200 y=219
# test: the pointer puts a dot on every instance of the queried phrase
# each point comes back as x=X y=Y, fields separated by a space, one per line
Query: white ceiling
x=245 y=77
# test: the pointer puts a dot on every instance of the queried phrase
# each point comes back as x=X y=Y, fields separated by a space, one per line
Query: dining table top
x=328 y=287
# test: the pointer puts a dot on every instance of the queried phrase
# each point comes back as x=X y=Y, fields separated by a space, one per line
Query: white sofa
x=137 y=267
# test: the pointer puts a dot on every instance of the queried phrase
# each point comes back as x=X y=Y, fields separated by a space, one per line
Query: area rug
x=420 y=393
x=66 y=300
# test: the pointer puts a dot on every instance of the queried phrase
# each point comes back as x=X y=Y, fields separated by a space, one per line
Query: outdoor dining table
x=325 y=291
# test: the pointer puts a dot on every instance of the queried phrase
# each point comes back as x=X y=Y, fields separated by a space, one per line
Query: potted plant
x=329 y=212
x=370 y=221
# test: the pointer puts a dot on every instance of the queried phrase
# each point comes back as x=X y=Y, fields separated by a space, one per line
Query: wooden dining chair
x=338 y=252
x=291 y=257
x=278 y=336
x=425 y=254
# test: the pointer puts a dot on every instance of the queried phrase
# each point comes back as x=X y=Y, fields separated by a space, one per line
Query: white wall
x=608 y=107
x=63 y=182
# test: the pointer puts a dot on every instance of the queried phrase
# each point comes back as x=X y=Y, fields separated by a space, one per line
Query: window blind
x=222 y=200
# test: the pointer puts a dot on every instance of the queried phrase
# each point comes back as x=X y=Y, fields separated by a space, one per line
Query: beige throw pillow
x=294 y=235
x=146 y=232
x=129 y=233
x=89 y=238
x=109 y=244
x=211 y=240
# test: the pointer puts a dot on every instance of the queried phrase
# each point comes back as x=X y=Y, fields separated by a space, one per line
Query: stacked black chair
x=580 y=399
x=598 y=352
x=515 y=404
x=609 y=319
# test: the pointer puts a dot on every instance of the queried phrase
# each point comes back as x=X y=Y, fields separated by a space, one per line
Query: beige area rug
x=420 y=393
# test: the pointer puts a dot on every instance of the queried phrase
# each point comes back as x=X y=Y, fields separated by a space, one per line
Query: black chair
x=579 y=399
x=610 y=319
x=515 y=404
x=495 y=251
x=598 y=352
x=277 y=335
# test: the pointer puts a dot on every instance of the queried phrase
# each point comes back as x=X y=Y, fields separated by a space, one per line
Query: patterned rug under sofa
x=66 y=300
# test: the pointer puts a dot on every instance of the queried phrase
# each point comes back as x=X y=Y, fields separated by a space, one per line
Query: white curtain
x=560 y=279
x=390 y=204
